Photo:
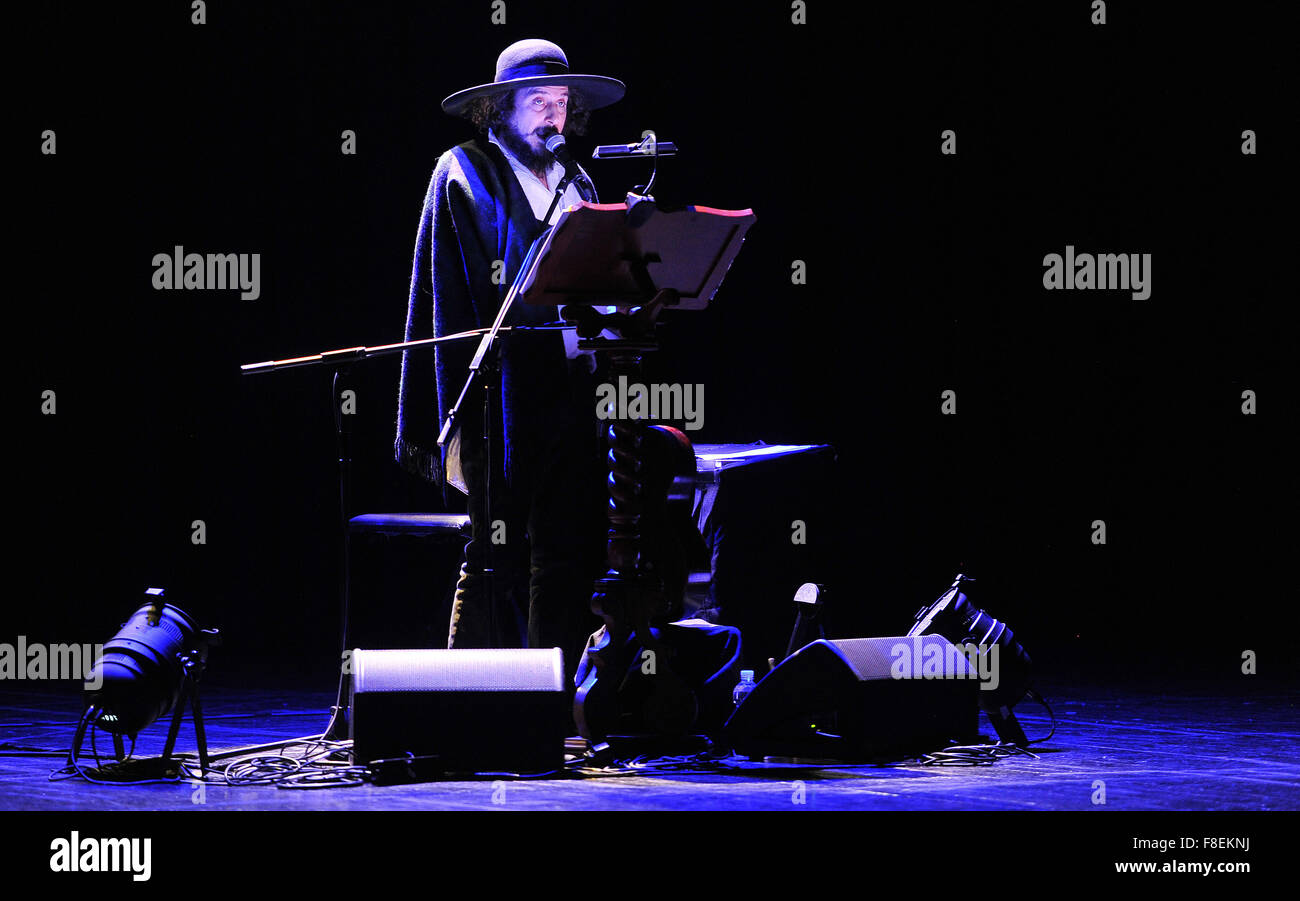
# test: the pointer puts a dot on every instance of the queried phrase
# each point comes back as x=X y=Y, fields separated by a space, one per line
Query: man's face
x=536 y=110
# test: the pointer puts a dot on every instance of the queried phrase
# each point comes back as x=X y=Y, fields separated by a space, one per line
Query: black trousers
x=544 y=536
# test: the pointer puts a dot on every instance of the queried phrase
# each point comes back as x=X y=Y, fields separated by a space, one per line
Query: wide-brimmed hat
x=538 y=62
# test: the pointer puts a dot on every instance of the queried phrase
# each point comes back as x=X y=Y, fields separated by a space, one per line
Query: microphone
x=556 y=145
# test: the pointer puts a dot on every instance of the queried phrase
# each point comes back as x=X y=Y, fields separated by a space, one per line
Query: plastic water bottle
x=744 y=686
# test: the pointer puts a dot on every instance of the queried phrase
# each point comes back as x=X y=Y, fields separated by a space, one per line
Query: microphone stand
x=559 y=192
x=573 y=171
x=340 y=361
x=585 y=187
x=486 y=362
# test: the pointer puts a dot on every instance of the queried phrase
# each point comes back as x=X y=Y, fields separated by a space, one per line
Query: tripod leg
x=119 y=750
x=79 y=736
x=1008 y=728
x=796 y=634
x=199 y=731
x=176 y=723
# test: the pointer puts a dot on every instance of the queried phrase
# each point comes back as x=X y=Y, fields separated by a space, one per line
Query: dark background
x=924 y=273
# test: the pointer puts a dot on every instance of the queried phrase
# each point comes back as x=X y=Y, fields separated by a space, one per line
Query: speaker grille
x=514 y=669
x=875 y=658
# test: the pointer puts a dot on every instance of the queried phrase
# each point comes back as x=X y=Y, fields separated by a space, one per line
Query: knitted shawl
x=475 y=213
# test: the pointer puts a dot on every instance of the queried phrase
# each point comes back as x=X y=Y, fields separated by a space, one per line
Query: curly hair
x=493 y=110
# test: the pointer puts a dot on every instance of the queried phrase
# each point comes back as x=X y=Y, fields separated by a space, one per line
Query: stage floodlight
x=954 y=617
x=151 y=667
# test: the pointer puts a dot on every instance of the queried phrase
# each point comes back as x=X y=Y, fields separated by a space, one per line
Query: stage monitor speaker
x=861 y=699
x=469 y=710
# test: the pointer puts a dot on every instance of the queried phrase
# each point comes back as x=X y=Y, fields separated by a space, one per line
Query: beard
x=517 y=143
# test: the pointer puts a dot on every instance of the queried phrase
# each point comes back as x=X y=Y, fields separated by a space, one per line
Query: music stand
x=641 y=260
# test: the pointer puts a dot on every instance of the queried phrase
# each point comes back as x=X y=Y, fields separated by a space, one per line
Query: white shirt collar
x=539 y=195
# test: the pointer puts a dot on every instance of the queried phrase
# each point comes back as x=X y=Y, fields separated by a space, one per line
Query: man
x=542 y=535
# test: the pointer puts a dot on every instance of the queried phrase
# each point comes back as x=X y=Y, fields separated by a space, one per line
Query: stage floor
x=1200 y=746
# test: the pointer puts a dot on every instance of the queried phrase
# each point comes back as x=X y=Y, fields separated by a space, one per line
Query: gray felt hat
x=538 y=62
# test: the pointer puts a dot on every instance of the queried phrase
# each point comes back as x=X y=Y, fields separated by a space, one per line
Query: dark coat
x=475 y=213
